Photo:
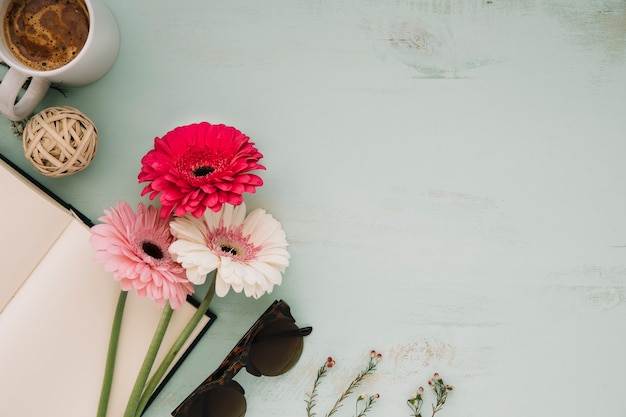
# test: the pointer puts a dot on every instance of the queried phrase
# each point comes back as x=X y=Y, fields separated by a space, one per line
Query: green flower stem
x=176 y=347
x=144 y=372
x=105 y=393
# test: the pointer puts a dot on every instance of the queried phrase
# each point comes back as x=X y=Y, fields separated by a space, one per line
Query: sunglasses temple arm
x=304 y=331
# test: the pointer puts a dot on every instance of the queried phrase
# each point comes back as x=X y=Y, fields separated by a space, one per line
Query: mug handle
x=9 y=89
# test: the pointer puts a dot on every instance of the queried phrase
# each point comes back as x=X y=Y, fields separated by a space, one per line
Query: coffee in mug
x=69 y=43
x=46 y=34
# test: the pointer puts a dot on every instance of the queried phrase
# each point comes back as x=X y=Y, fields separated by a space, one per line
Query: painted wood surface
x=450 y=175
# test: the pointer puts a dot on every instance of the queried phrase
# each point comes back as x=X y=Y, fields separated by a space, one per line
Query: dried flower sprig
x=369 y=400
x=321 y=372
x=415 y=402
x=18 y=127
x=369 y=368
x=441 y=392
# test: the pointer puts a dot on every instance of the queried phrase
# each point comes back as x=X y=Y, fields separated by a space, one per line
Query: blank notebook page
x=30 y=223
x=55 y=331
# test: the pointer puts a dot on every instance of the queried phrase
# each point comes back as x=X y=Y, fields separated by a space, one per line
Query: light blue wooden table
x=450 y=175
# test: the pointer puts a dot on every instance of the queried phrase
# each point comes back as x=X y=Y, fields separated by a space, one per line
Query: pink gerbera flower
x=198 y=166
x=134 y=246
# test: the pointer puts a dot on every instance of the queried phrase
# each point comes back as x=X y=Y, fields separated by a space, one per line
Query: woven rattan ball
x=60 y=141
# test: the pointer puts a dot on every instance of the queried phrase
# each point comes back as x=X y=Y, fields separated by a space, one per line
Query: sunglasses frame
x=239 y=356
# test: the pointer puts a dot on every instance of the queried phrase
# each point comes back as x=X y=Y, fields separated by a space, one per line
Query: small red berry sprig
x=441 y=391
x=364 y=401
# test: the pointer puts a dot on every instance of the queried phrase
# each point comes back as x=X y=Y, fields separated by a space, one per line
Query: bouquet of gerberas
x=162 y=253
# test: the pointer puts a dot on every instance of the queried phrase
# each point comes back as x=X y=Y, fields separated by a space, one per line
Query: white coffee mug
x=93 y=61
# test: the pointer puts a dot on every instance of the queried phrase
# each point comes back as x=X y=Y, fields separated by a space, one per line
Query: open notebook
x=56 y=310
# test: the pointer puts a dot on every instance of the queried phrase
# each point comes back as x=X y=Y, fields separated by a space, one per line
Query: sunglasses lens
x=219 y=401
x=276 y=348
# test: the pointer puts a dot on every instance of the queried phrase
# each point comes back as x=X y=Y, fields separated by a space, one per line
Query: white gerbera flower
x=249 y=252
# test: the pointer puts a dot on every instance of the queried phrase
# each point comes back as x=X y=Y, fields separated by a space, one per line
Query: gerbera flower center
x=152 y=250
x=229 y=250
x=232 y=243
x=203 y=171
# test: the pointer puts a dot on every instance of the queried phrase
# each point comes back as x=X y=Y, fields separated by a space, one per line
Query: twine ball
x=60 y=141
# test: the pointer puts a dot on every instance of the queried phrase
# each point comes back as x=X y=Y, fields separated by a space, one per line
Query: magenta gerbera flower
x=134 y=246
x=198 y=166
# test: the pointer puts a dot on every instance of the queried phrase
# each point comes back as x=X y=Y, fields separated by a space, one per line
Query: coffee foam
x=46 y=34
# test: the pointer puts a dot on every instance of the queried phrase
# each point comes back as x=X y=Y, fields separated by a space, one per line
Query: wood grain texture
x=450 y=175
